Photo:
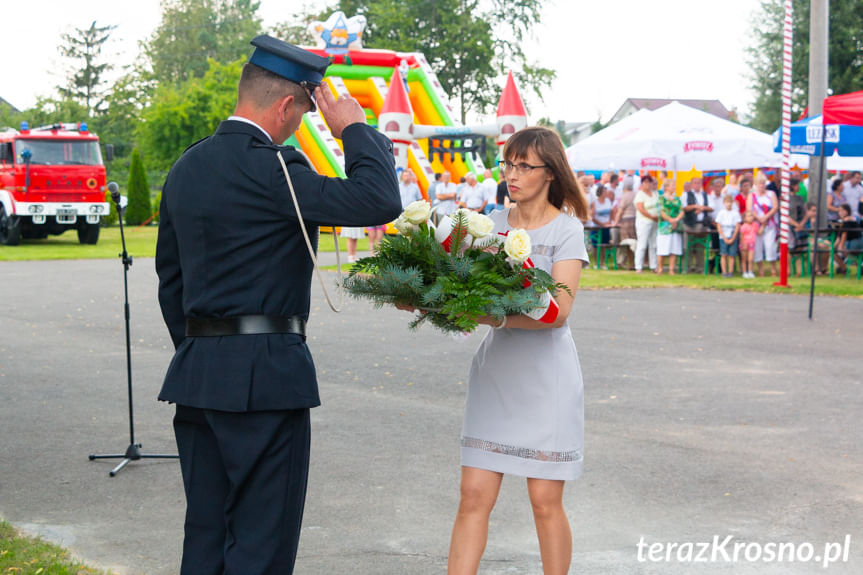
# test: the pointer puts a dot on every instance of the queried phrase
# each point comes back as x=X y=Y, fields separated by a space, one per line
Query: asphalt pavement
x=708 y=415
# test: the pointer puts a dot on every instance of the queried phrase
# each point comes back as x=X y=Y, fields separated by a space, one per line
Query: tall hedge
x=139 y=209
x=111 y=218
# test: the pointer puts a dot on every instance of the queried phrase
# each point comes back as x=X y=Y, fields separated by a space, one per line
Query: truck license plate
x=66 y=215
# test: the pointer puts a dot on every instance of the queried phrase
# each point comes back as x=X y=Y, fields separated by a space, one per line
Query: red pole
x=786 y=147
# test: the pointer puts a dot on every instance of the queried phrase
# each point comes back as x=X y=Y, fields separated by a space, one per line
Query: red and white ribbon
x=548 y=310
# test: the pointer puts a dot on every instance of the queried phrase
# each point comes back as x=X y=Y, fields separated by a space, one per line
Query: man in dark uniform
x=234 y=287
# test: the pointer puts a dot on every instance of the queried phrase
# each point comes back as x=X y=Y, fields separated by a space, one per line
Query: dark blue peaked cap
x=288 y=61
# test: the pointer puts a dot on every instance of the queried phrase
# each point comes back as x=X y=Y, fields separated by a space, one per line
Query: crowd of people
x=444 y=195
x=737 y=217
x=648 y=223
x=483 y=197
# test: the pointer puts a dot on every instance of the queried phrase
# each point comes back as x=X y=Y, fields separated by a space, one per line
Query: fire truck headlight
x=95 y=209
x=36 y=209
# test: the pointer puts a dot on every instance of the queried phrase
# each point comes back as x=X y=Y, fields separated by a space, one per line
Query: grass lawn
x=606 y=279
x=592 y=279
x=140 y=242
x=31 y=556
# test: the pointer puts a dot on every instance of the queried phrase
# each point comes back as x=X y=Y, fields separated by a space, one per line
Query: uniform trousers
x=245 y=477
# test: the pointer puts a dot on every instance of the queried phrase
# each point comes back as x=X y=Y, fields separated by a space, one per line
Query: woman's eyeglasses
x=522 y=168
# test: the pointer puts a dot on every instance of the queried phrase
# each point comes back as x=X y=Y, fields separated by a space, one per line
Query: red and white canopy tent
x=844 y=109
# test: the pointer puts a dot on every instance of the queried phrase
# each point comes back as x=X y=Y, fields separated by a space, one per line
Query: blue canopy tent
x=806 y=134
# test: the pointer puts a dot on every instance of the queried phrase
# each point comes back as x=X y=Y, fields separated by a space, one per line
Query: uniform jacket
x=230 y=244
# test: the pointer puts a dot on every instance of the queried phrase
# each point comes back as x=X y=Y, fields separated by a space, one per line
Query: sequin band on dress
x=523 y=452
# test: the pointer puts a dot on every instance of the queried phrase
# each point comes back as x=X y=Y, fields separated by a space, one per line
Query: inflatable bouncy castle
x=404 y=99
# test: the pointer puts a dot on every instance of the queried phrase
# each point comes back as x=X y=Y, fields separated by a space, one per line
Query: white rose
x=417 y=212
x=479 y=226
x=517 y=245
x=402 y=225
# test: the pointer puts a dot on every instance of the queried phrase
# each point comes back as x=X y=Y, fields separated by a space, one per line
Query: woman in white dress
x=525 y=407
x=764 y=204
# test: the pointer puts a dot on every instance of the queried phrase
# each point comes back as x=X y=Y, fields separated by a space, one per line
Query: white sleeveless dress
x=525 y=404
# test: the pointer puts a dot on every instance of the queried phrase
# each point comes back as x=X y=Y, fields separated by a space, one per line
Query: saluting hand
x=338 y=114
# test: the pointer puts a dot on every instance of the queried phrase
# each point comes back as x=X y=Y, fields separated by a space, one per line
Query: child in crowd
x=748 y=231
x=728 y=226
x=802 y=236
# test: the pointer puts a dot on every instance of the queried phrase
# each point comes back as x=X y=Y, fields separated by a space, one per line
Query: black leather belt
x=244 y=325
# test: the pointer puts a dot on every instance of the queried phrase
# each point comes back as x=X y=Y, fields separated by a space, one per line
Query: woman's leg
x=479 y=489
x=552 y=525
x=375 y=236
x=651 y=246
x=352 y=249
x=659 y=264
x=672 y=261
x=642 y=230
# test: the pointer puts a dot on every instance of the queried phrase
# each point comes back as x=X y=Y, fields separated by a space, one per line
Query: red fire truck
x=52 y=179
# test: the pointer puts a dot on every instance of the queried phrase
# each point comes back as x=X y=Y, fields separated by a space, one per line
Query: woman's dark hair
x=600 y=189
x=564 y=190
x=837 y=183
x=647 y=179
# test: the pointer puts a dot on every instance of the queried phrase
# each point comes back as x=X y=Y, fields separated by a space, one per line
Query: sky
x=603 y=51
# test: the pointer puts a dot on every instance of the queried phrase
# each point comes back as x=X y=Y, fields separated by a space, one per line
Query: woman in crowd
x=732 y=189
x=525 y=399
x=835 y=199
x=765 y=206
x=742 y=198
x=669 y=237
x=601 y=212
x=646 y=218
x=624 y=216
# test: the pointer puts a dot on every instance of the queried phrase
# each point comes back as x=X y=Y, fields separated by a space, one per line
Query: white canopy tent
x=674 y=137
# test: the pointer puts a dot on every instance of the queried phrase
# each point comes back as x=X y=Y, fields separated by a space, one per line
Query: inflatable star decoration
x=339 y=34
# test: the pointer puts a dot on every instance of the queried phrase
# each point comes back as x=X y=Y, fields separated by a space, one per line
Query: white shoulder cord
x=309 y=243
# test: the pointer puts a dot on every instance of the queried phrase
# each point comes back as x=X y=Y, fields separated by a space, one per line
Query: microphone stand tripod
x=133 y=452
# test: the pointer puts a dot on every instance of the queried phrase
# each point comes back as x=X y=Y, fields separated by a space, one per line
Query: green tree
x=559 y=127
x=469 y=44
x=9 y=117
x=55 y=110
x=296 y=28
x=195 y=31
x=124 y=105
x=84 y=81
x=765 y=57
x=139 y=209
x=180 y=115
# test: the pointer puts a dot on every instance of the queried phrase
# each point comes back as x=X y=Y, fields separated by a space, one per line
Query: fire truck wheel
x=88 y=233
x=10 y=229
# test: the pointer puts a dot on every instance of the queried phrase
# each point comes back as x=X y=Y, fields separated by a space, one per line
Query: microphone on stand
x=115 y=192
